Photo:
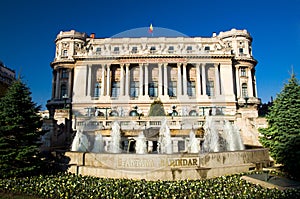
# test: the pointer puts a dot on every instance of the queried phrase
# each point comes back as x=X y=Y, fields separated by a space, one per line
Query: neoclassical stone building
x=7 y=76
x=99 y=80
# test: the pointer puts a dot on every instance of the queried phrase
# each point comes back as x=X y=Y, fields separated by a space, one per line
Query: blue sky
x=28 y=30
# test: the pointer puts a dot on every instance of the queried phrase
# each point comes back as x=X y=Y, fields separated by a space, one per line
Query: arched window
x=244 y=90
x=133 y=113
x=114 y=113
x=193 y=113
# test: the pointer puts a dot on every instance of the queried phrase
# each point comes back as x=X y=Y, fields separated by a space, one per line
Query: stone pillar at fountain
x=115 y=135
x=211 y=136
x=80 y=142
x=164 y=140
x=193 y=146
x=98 y=144
x=140 y=145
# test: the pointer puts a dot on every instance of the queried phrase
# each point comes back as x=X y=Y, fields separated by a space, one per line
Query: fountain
x=232 y=137
x=221 y=154
x=164 y=140
x=115 y=135
x=98 y=144
x=80 y=142
x=211 y=136
x=141 y=146
x=194 y=145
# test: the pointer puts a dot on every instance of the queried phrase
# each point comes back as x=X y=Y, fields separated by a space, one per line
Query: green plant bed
x=73 y=186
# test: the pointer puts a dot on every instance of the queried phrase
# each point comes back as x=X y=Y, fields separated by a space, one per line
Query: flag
x=151 y=29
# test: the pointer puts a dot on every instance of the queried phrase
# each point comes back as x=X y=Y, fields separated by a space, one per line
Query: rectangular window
x=98 y=51
x=172 y=91
x=171 y=49
x=134 y=89
x=207 y=48
x=97 y=89
x=134 y=50
x=191 y=88
x=243 y=71
x=189 y=49
x=210 y=88
x=152 y=49
x=153 y=88
x=115 y=89
x=116 y=50
x=65 y=53
x=64 y=73
x=241 y=51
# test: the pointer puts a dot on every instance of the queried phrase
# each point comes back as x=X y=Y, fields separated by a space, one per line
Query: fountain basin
x=167 y=166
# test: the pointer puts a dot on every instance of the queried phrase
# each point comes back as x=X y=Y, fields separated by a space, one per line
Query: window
x=116 y=50
x=210 y=88
x=241 y=51
x=244 y=90
x=98 y=51
x=243 y=71
x=64 y=73
x=65 y=53
x=152 y=49
x=207 y=48
x=191 y=88
x=172 y=91
x=153 y=88
x=189 y=49
x=171 y=49
x=134 y=89
x=63 y=91
x=97 y=89
x=134 y=50
x=115 y=89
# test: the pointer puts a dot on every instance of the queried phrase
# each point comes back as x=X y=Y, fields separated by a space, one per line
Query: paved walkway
x=272 y=181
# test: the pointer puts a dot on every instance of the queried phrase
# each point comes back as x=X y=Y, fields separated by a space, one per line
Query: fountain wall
x=166 y=166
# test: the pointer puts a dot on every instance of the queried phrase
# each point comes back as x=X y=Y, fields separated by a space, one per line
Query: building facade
x=7 y=76
x=99 y=80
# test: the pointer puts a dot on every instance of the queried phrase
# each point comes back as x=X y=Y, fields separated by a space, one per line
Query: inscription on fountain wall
x=157 y=162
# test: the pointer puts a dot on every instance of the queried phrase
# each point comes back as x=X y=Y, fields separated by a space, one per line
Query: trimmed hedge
x=68 y=185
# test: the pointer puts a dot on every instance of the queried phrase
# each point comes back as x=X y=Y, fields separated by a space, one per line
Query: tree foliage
x=282 y=136
x=19 y=134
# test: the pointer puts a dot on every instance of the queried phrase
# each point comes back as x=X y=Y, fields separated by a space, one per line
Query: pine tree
x=19 y=134
x=282 y=136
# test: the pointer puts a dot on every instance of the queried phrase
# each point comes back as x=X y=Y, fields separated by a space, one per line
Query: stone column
x=198 y=81
x=108 y=80
x=237 y=78
x=102 y=80
x=70 y=83
x=184 y=79
x=203 y=73
x=175 y=146
x=179 y=89
x=127 y=83
x=217 y=80
x=146 y=79
x=57 y=83
x=89 y=80
x=141 y=80
x=122 y=80
x=160 y=84
x=165 y=79
x=53 y=84
x=250 y=85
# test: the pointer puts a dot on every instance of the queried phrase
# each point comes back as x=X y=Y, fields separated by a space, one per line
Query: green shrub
x=76 y=186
